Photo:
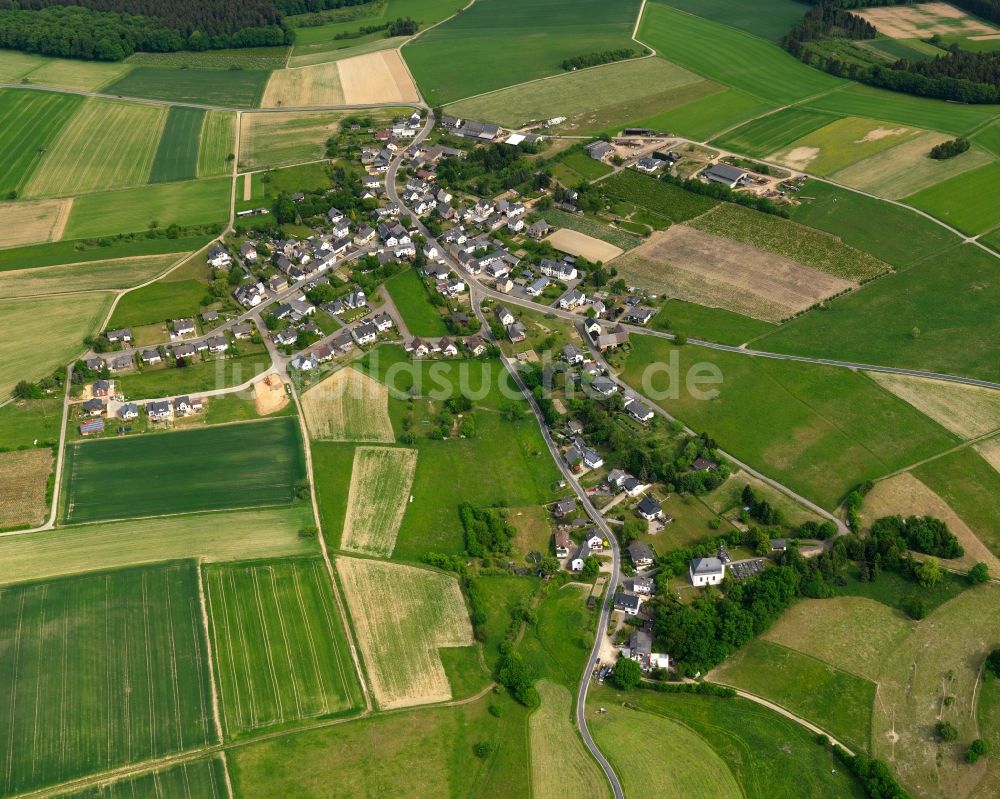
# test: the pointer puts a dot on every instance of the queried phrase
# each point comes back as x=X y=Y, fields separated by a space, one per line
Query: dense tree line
x=874 y=775
x=602 y=57
x=313 y=6
x=828 y=20
x=720 y=192
x=919 y=533
x=486 y=530
x=949 y=149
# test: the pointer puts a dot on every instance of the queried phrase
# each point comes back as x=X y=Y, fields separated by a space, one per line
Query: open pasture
x=381 y=479
x=161 y=300
x=560 y=766
x=29 y=121
x=414 y=304
x=967 y=411
x=304 y=86
x=402 y=615
x=348 y=406
x=938 y=316
x=35 y=221
x=989 y=137
x=990 y=451
x=766 y=135
x=969 y=202
x=502 y=43
x=819 y=430
x=769 y=19
x=39 y=335
x=238 y=466
x=218 y=142
x=30 y=423
x=781 y=237
x=705 y=117
x=575 y=243
x=177 y=153
x=841 y=143
x=379 y=77
x=593 y=99
x=269 y=140
x=714 y=324
x=896 y=235
x=701 y=730
x=834 y=700
x=76 y=75
x=688 y=264
x=196 y=779
x=90 y=276
x=106 y=144
x=212 y=537
x=904 y=495
x=752 y=64
x=15 y=64
x=232 y=59
x=923 y=21
x=24 y=475
x=101 y=670
x=232 y=88
x=279 y=644
x=907 y=168
x=70 y=251
x=189 y=202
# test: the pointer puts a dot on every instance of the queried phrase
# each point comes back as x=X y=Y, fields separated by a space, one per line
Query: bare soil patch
x=247 y=187
x=967 y=411
x=348 y=406
x=574 y=243
x=402 y=616
x=269 y=395
x=33 y=222
x=711 y=270
x=304 y=86
x=381 y=479
x=23 y=478
x=799 y=157
x=923 y=20
x=905 y=495
x=379 y=77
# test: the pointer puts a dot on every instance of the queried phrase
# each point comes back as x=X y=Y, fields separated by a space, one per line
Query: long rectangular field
x=348 y=406
x=279 y=643
x=233 y=88
x=177 y=153
x=107 y=144
x=99 y=671
x=218 y=142
x=381 y=479
x=29 y=121
x=766 y=135
x=210 y=468
x=115 y=274
x=197 y=779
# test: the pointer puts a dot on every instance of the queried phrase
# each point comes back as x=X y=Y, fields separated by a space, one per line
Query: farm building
x=706 y=571
x=726 y=175
x=599 y=150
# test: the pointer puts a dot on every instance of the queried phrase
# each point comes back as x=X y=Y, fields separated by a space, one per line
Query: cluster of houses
x=99 y=408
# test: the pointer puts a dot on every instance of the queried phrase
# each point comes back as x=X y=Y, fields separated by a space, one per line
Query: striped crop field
x=99 y=671
x=177 y=153
x=279 y=643
x=107 y=144
x=218 y=142
x=29 y=121
x=211 y=468
x=199 y=779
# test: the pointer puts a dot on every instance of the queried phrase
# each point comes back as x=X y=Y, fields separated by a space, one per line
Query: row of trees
x=601 y=57
x=949 y=149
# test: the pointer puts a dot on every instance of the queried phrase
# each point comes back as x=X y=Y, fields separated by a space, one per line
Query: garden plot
x=23 y=478
x=575 y=243
x=348 y=406
x=402 y=615
x=381 y=479
x=967 y=411
x=692 y=265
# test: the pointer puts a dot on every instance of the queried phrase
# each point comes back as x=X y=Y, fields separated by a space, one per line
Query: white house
x=707 y=571
x=580 y=558
x=628 y=604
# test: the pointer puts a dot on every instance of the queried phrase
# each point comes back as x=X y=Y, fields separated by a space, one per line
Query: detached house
x=628 y=604
x=563 y=544
x=649 y=508
x=580 y=558
x=219 y=257
x=641 y=554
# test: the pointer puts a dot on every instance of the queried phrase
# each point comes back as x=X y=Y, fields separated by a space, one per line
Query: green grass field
x=971 y=486
x=74 y=74
x=751 y=64
x=766 y=135
x=158 y=302
x=27 y=423
x=934 y=316
x=769 y=19
x=231 y=535
x=703 y=118
x=101 y=670
x=408 y=293
x=714 y=324
x=218 y=142
x=226 y=59
x=556 y=646
x=815 y=427
x=197 y=779
x=504 y=43
x=236 y=466
x=664 y=199
x=274 y=139
x=90 y=276
x=191 y=202
x=279 y=644
x=240 y=88
x=781 y=237
x=592 y=100
x=107 y=144
x=207 y=375
x=969 y=202
x=770 y=756
x=29 y=121
x=892 y=234
x=989 y=137
x=39 y=335
x=177 y=153
x=834 y=700
x=79 y=251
